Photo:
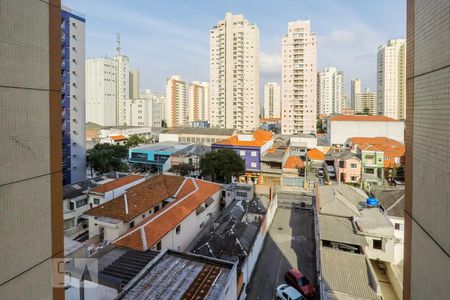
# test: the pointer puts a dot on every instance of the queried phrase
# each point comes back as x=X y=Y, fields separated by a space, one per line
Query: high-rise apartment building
x=391 y=79
x=101 y=91
x=198 y=105
x=31 y=222
x=355 y=89
x=73 y=96
x=366 y=102
x=299 y=79
x=134 y=79
x=272 y=100
x=427 y=192
x=145 y=110
x=122 y=88
x=175 y=102
x=330 y=91
x=234 y=74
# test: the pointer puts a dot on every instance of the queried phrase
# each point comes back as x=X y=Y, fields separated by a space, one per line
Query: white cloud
x=270 y=63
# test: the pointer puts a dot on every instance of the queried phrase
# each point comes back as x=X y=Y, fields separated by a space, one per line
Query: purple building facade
x=250 y=154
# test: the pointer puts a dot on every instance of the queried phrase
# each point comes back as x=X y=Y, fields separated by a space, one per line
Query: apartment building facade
x=73 y=96
x=176 y=113
x=355 y=89
x=145 y=110
x=101 y=91
x=234 y=74
x=134 y=84
x=122 y=88
x=299 y=79
x=198 y=105
x=391 y=79
x=366 y=102
x=31 y=174
x=272 y=100
x=330 y=91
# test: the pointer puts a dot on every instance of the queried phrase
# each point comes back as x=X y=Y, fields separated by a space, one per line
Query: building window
x=143 y=216
x=377 y=244
x=399 y=226
x=241 y=194
x=253 y=153
x=178 y=229
x=242 y=152
x=158 y=246
x=132 y=224
x=71 y=206
x=353 y=166
x=253 y=165
x=387 y=158
x=341 y=164
x=156 y=208
x=96 y=201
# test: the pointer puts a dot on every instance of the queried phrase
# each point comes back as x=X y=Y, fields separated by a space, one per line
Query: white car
x=287 y=292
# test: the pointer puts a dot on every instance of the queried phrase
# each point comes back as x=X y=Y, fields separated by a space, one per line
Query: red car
x=296 y=279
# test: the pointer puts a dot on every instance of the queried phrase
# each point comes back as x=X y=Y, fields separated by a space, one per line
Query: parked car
x=299 y=281
x=286 y=292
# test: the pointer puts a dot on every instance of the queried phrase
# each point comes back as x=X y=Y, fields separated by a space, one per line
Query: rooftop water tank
x=372 y=201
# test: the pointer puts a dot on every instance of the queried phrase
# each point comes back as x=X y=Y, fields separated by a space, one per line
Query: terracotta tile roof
x=260 y=138
x=140 y=198
x=118 y=138
x=390 y=147
x=293 y=162
x=270 y=119
x=315 y=154
x=112 y=185
x=157 y=225
x=363 y=118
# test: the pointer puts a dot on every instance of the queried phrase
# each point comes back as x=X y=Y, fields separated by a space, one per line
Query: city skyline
x=178 y=43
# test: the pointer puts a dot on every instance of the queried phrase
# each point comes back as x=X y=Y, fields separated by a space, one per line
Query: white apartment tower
x=355 y=89
x=175 y=102
x=122 y=88
x=234 y=74
x=101 y=91
x=272 y=100
x=330 y=92
x=391 y=79
x=144 y=111
x=299 y=79
x=134 y=84
x=366 y=101
x=198 y=101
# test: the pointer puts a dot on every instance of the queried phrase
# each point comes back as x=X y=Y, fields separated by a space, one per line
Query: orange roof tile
x=294 y=162
x=140 y=198
x=260 y=138
x=157 y=225
x=112 y=185
x=315 y=154
x=118 y=138
x=363 y=118
x=270 y=119
x=390 y=147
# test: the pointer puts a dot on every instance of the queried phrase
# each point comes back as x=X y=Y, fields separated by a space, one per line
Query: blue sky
x=169 y=37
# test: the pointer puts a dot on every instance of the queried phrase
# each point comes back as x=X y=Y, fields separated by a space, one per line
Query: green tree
x=135 y=140
x=182 y=169
x=104 y=158
x=319 y=126
x=221 y=165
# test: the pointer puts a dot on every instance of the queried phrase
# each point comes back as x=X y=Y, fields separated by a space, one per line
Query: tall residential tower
x=234 y=74
x=198 y=102
x=272 y=100
x=391 y=79
x=299 y=79
x=175 y=102
x=355 y=89
x=330 y=91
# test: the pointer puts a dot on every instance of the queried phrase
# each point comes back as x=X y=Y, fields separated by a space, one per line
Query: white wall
x=340 y=131
x=387 y=252
x=399 y=236
x=164 y=137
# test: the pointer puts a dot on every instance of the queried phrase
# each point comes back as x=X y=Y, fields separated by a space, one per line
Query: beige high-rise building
x=427 y=197
x=355 y=89
x=198 y=101
x=330 y=91
x=134 y=79
x=122 y=88
x=299 y=79
x=366 y=102
x=234 y=74
x=31 y=222
x=175 y=102
x=391 y=79
x=272 y=100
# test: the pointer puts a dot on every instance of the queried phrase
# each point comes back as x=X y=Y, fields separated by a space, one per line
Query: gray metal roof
x=392 y=199
x=346 y=273
x=337 y=229
x=167 y=146
x=346 y=155
x=201 y=131
x=374 y=221
x=340 y=200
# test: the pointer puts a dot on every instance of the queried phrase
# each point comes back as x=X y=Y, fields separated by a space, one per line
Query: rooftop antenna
x=117 y=44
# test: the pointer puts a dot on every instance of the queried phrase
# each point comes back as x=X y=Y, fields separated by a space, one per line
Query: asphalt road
x=289 y=243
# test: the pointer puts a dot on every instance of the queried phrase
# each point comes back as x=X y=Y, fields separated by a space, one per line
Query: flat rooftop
x=337 y=229
x=201 y=131
x=167 y=146
x=373 y=221
x=176 y=275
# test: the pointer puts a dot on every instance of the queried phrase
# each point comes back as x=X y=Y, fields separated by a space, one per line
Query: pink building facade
x=347 y=167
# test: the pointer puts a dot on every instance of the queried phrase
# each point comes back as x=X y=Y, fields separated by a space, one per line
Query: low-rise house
x=190 y=155
x=315 y=155
x=251 y=147
x=347 y=167
x=188 y=135
x=292 y=168
x=154 y=157
x=116 y=140
x=238 y=191
x=301 y=143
